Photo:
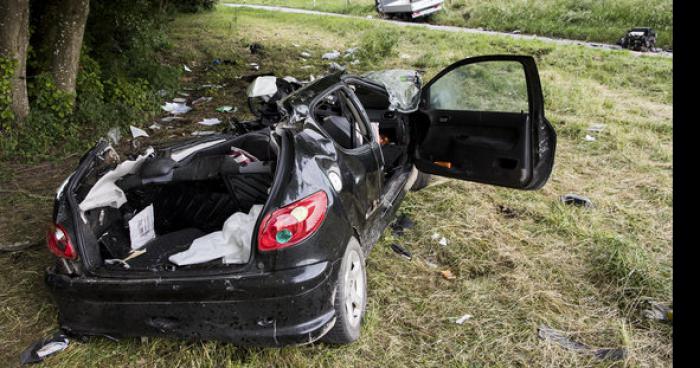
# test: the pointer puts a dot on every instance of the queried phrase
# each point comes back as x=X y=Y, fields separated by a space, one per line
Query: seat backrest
x=340 y=130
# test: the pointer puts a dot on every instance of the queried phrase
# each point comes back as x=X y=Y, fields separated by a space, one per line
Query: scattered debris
x=334 y=67
x=550 y=334
x=441 y=239
x=211 y=86
x=41 y=349
x=117 y=261
x=203 y=132
x=170 y=119
x=506 y=211
x=226 y=109
x=154 y=126
x=401 y=251
x=658 y=312
x=137 y=132
x=179 y=100
x=351 y=51
x=183 y=94
x=639 y=39
x=400 y=224
x=176 y=108
x=464 y=318
x=201 y=100
x=210 y=122
x=305 y=54
x=114 y=135
x=254 y=66
x=187 y=69
x=255 y=48
x=331 y=55
x=589 y=138
x=576 y=200
x=596 y=128
x=17 y=246
x=447 y=275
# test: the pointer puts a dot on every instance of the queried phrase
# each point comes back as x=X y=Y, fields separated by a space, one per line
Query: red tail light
x=292 y=223
x=59 y=243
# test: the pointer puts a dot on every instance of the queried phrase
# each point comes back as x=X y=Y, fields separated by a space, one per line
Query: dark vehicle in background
x=308 y=187
x=639 y=39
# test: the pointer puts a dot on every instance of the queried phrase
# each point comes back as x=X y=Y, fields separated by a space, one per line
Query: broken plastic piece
x=331 y=55
x=589 y=138
x=137 y=132
x=305 y=54
x=199 y=133
x=263 y=86
x=400 y=224
x=576 y=200
x=464 y=318
x=176 y=108
x=141 y=228
x=210 y=122
x=550 y=334
x=226 y=109
x=154 y=126
x=187 y=69
x=114 y=135
x=201 y=100
x=659 y=312
x=445 y=164
x=401 y=251
x=44 y=347
x=232 y=243
x=447 y=275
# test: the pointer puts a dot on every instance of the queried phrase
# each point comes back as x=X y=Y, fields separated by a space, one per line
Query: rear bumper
x=267 y=309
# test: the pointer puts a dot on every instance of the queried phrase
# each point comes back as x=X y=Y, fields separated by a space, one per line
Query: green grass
x=521 y=259
x=588 y=20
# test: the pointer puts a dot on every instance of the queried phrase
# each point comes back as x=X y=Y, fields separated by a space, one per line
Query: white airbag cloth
x=232 y=243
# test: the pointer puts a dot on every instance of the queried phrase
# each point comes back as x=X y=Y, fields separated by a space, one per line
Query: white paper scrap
x=141 y=228
x=209 y=122
x=137 y=132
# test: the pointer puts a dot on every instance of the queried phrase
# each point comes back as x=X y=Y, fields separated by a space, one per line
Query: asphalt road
x=560 y=41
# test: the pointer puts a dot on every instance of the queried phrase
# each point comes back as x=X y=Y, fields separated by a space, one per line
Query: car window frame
x=364 y=119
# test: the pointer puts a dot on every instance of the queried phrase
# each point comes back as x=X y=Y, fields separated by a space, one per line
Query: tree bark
x=65 y=25
x=14 y=39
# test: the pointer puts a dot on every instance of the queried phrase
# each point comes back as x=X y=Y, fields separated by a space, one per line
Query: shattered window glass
x=403 y=87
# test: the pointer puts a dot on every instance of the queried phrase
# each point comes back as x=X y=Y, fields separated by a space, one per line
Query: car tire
x=350 y=297
x=421 y=182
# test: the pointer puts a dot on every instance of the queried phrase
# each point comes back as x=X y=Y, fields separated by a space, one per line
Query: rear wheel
x=350 y=297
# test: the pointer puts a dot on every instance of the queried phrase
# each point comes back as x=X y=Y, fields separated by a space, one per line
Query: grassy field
x=588 y=20
x=521 y=259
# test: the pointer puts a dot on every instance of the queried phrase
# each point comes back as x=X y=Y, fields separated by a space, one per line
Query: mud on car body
x=318 y=175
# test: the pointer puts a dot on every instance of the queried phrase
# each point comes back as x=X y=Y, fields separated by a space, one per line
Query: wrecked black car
x=259 y=236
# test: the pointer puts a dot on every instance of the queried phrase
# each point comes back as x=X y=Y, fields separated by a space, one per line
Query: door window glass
x=485 y=86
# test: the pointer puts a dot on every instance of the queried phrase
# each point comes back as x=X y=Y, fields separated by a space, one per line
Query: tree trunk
x=65 y=25
x=14 y=38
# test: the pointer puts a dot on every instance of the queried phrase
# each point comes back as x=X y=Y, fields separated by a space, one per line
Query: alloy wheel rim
x=354 y=289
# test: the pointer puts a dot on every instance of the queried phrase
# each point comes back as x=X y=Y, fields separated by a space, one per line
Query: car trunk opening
x=193 y=206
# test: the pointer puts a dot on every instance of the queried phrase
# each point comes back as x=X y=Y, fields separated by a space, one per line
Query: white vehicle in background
x=408 y=9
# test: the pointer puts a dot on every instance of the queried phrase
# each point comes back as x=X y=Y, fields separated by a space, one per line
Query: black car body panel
x=284 y=296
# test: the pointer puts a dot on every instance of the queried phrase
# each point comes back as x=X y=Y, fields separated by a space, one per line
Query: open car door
x=482 y=119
